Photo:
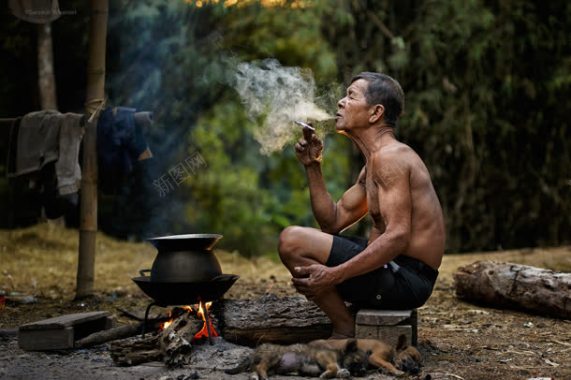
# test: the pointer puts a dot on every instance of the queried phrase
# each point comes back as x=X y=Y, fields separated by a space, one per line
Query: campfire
x=174 y=338
x=201 y=311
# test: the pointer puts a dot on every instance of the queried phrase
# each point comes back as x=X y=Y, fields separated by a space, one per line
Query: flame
x=206 y=327
x=166 y=324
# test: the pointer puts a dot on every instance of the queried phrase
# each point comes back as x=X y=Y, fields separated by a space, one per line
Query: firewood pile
x=172 y=344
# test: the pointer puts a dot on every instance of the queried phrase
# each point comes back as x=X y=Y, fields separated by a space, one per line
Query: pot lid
x=185 y=242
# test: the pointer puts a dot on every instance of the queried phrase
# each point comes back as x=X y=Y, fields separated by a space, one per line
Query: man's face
x=353 y=109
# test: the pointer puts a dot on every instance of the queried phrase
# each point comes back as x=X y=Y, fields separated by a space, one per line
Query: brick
x=382 y=317
x=391 y=334
x=369 y=332
x=386 y=325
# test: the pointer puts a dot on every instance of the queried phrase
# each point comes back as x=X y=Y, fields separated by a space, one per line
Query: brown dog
x=395 y=360
x=305 y=360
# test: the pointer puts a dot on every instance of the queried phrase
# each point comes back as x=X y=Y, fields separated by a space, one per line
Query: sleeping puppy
x=304 y=360
x=395 y=360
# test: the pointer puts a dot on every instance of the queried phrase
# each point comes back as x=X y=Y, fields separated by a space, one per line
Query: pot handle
x=143 y=271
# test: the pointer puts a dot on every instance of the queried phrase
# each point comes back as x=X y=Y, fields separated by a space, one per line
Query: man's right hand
x=309 y=148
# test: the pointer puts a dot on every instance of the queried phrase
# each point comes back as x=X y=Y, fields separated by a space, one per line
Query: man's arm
x=334 y=217
x=392 y=176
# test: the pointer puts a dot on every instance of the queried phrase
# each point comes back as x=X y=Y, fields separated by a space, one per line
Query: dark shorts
x=404 y=283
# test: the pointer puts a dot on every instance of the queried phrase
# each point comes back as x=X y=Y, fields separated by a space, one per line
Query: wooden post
x=95 y=97
x=46 y=77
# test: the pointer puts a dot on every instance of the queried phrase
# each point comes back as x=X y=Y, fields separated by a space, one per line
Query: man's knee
x=291 y=243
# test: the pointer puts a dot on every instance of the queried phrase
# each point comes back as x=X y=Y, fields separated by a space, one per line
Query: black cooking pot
x=185 y=258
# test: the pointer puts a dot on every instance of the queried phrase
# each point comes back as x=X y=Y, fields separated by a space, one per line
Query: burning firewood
x=173 y=344
x=175 y=340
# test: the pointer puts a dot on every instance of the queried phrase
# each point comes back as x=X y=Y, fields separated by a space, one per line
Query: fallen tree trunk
x=535 y=289
x=273 y=319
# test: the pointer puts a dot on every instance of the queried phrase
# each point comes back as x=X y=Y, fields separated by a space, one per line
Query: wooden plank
x=382 y=317
x=61 y=332
x=38 y=340
x=64 y=321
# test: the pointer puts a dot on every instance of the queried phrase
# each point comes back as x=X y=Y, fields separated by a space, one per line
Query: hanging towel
x=38 y=141
x=48 y=136
x=68 y=171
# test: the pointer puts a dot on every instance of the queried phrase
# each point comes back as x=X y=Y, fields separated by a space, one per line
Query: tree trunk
x=271 y=319
x=538 y=290
x=46 y=77
x=94 y=100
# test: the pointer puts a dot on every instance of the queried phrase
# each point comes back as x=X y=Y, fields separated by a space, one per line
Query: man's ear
x=376 y=113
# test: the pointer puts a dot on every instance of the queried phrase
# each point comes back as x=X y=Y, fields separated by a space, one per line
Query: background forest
x=488 y=100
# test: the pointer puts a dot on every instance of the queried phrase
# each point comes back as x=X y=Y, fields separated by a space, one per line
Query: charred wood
x=129 y=352
x=111 y=334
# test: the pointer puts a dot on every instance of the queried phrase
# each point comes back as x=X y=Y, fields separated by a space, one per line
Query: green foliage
x=488 y=93
x=487 y=89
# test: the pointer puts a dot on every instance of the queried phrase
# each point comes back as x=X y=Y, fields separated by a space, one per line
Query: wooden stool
x=387 y=325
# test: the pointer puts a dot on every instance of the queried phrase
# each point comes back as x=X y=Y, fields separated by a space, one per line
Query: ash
x=220 y=355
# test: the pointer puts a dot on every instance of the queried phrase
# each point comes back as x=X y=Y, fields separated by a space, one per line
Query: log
x=139 y=357
x=175 y=340
x=104 y=336
x=130 y=352
x=538 y=290
x=271 y=319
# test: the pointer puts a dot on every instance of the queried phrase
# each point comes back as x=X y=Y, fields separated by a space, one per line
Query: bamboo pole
x=94 y=100
x=46 y=76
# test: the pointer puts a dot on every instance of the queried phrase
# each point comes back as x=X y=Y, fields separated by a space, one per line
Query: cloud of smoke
x=277 y=95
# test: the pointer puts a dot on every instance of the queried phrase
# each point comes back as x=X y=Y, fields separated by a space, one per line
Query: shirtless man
x=397 y=266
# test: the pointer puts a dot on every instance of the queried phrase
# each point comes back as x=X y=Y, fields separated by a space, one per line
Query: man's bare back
x=427 y=223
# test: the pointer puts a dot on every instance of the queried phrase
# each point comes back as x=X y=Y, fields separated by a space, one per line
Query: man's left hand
x=316 y=279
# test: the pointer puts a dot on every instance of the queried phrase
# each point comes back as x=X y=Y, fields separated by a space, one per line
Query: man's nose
x=341 y=103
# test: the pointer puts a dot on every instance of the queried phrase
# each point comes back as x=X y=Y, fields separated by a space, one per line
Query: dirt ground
x=458 y=340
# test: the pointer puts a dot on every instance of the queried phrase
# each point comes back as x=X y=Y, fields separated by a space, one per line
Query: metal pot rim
x=186 y=237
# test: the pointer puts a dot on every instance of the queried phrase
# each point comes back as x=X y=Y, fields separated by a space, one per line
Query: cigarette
x=304 y=125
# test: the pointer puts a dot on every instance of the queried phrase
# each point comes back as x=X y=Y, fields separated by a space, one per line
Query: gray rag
x=68 y=172
x=38 y=141
x=47 y=136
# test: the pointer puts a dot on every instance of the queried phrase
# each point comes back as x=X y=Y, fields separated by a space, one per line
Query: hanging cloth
x=35 y=11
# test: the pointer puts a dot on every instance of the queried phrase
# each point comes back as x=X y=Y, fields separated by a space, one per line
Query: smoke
x=275 y=96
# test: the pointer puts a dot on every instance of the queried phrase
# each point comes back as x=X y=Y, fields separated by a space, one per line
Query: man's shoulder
x=395 y=150
x=393 y=154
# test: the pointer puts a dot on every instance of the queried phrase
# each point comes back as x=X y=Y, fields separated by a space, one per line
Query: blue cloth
x=120 y=141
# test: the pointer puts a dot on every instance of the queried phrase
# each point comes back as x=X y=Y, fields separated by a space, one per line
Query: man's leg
x=301 y=246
